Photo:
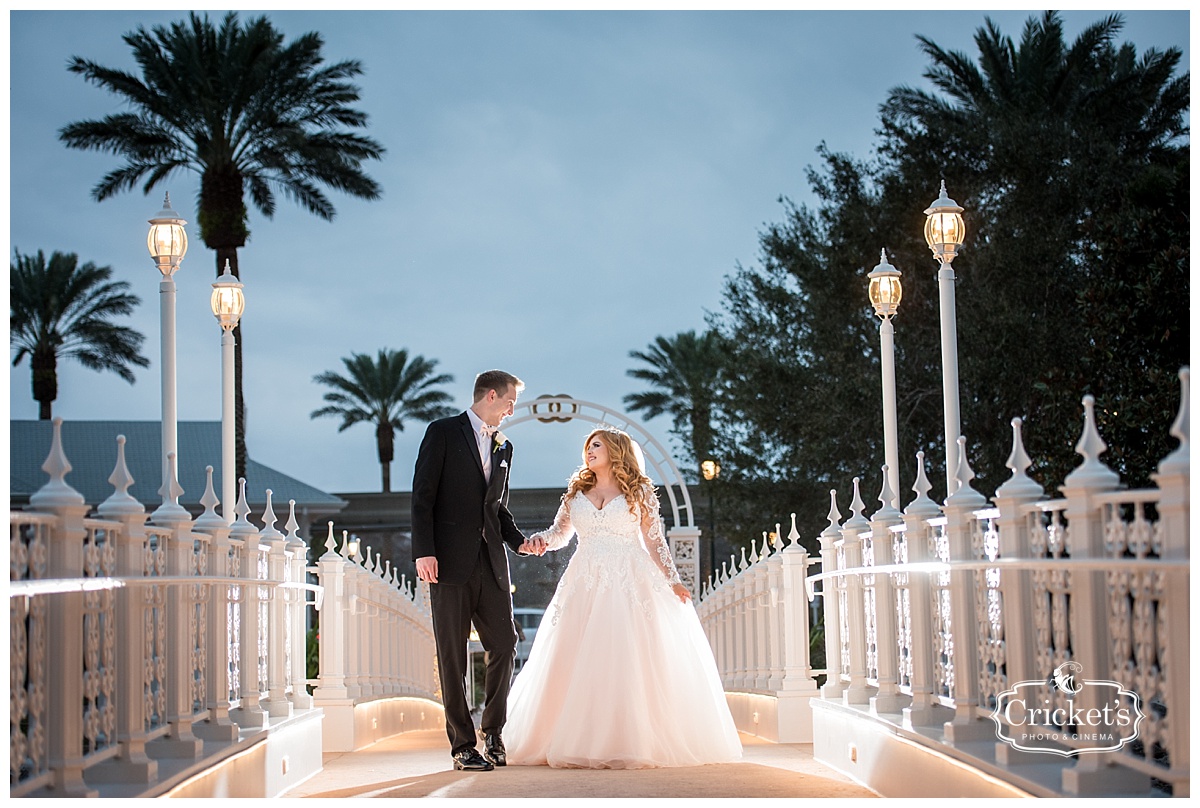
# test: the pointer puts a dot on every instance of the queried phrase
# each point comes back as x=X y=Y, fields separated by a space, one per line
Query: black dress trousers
x=483 y=601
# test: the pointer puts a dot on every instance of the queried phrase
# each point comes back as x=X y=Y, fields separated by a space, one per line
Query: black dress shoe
x=470 y=760
x=493 y=748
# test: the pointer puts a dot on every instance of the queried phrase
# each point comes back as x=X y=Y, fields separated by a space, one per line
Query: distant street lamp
x=885 y=292
x=710 y=469
x=167 y=242
x=228 y=303
x=944 y=231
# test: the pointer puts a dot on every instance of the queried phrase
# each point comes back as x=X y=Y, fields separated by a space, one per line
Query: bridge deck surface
x=417 y=764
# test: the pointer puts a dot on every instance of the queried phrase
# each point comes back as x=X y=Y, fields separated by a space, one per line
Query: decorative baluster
x=375 y=627
x=244 y=537
x=277 y=703
x=1016 y=586
x=966 y=724
x=355 y=679
x=776 y=604
x=743 y=637
x=857 y=691
x=297 y=554
x=830 y=601
x=182 y=742
x=331 y=647
x=64 y=644
x=755 y=618
x=1174 y=483
x=395 y=629
x=790 y=613
x=888 y=699
x=1173 y=479
x=917 y=536
x=406 y=642
x=725 y=628
x=1092 y=775
x=762 y=610
x=218 y=726
x=132 y=763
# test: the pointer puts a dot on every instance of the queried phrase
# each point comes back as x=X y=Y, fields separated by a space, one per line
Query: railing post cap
x=241 y=527
x=1091 y=473
x=965 y=496
x=1020 y=485
x=922 y=506
x=887 y=513
x=121 y=502
x=856 y=521
x=1178 y=462
x=56 y=493
x=210 y=521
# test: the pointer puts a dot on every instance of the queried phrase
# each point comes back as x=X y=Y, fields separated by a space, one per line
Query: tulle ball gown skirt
x=620 y=676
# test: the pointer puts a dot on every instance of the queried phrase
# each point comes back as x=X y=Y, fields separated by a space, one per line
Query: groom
x=460 y=524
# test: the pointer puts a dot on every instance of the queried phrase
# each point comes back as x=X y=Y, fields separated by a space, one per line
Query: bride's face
x=596 y=454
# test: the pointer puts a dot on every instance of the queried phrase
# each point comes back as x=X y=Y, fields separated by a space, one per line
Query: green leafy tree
x=1072 y=164
x=248 y=113
x=62 y=309
x=683 y=373
x=1074 y=160
x=385 y=392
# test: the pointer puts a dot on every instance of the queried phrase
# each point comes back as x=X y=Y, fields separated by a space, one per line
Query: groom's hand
x=534 y=545
x=427 y=569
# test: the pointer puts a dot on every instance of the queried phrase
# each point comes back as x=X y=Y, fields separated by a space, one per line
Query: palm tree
x=246 y=112
x=683 y=373
x=62 y=309
x=386 y=393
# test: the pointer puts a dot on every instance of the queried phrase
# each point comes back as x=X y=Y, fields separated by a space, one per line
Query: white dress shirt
x=484 y=442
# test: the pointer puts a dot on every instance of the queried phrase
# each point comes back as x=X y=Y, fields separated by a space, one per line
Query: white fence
x=143 y=654
x=756 y=616
x=932 y=613
x=378 y=667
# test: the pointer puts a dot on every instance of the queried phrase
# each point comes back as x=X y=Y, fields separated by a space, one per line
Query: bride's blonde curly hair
x=636 y=486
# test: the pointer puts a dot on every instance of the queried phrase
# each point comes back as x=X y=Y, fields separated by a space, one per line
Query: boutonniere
x=500 y=440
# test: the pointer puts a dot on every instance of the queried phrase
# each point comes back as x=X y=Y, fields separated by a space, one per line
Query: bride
x=620 y=675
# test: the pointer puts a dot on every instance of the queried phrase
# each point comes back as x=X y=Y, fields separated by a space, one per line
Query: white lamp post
x=228 y=303
x=885 y=293
x=944 y=231
x=167 y=243
x=711 y=469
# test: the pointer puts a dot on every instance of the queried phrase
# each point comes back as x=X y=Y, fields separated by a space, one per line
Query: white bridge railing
x=140 y=653
x=378 y=666
x=931 y=614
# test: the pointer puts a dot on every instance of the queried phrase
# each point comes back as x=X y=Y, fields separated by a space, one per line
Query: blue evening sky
x=559 y=188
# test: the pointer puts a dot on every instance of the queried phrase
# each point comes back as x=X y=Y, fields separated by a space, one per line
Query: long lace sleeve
x=656 y=541
x=559 y=533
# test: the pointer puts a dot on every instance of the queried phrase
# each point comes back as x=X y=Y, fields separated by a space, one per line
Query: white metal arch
x=550 y=409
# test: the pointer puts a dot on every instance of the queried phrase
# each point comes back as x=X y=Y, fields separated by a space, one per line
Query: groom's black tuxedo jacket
x=454 y=508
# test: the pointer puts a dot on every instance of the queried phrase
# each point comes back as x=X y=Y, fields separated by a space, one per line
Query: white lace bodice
x=611 y=531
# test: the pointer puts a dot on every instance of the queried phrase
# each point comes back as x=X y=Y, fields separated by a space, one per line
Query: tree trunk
x=385 y=437
x=222 y=218
x=44 y=363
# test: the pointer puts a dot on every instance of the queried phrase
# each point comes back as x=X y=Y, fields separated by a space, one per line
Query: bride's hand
x=681 y=592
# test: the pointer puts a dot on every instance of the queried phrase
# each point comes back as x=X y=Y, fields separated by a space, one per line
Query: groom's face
x=498 y=405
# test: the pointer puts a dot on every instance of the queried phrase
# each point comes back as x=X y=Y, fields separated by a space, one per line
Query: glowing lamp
x=944 y=228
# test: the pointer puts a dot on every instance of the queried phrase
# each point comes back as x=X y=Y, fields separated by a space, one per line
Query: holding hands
x=534 y=545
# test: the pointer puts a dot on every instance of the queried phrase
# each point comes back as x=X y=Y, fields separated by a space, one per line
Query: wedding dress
x=621 y=674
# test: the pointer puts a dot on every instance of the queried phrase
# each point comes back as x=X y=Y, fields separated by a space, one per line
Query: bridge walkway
x=417 y=764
